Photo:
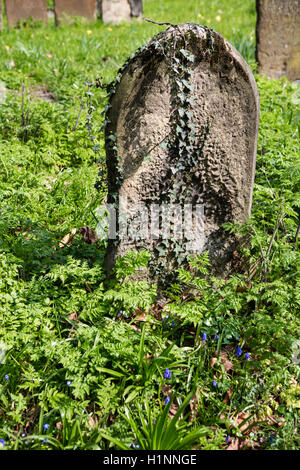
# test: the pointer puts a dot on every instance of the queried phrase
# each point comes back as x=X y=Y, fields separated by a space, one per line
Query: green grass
x=78 y=358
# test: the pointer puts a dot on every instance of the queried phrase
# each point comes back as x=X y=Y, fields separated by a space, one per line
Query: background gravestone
x=278 y=38
x=84 y=8
x=182 y=126
x=115 y=11
x=18 y=10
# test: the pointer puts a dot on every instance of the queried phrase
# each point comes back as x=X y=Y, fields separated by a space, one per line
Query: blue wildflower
x=2 y=442
x=228 y=439
x=238 y=351
x=44 y=441
x=69 y=382
x=6 y=378
x=204 y=337
x=46 y=426
x=214 y=383
x=167 y=400
x=272 y=440
x=247 y=356
x=217 y=337
x=167 y=374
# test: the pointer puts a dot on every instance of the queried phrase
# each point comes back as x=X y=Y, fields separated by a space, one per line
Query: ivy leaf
x=164 y=145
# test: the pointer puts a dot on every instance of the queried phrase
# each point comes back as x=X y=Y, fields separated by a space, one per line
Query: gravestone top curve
x=182 y=125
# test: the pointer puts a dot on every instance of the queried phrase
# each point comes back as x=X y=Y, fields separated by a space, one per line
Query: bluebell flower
x=46 y=426
x=217 y=337
x=6 y=378
x=214 y=383
x=69 y=382
x=272 y=440
x=44 y=441
x=204 y=337
x=228 y=439
x=167 y=374
x=167 y=400
x=2 y=442
x=247 y=356
x=238 y=351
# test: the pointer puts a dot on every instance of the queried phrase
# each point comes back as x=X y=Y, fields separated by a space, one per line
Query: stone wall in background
x=18 y=10
x=278 y=38
x=115 y=11
x=84 y=8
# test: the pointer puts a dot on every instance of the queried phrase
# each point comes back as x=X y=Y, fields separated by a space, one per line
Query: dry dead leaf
x=73 y=316
x=173 y=409
x=166 y=388
x=134 y=327
x=68 y=239
x=247 y=421
x=248 y=444
x=88 y=234
x=227 y=397
x=228 y=365
x=93 y=422
x=234 y=445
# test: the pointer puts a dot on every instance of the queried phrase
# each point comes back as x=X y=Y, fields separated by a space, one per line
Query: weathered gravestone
x=115 y=11
x=18 y=10
x=278 y=38
x=181 y=137
x=65 y=9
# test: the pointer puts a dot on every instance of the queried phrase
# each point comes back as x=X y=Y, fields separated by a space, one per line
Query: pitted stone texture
x=225 y=95
x=68 y=8
x=115 y=11
x=18 y=10
x=278 y=38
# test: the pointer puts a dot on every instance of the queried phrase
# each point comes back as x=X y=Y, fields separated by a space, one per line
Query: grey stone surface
x=115 y=11
x=18 y=10
x=84 y=8
x=225 y=117
x=278 y=38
